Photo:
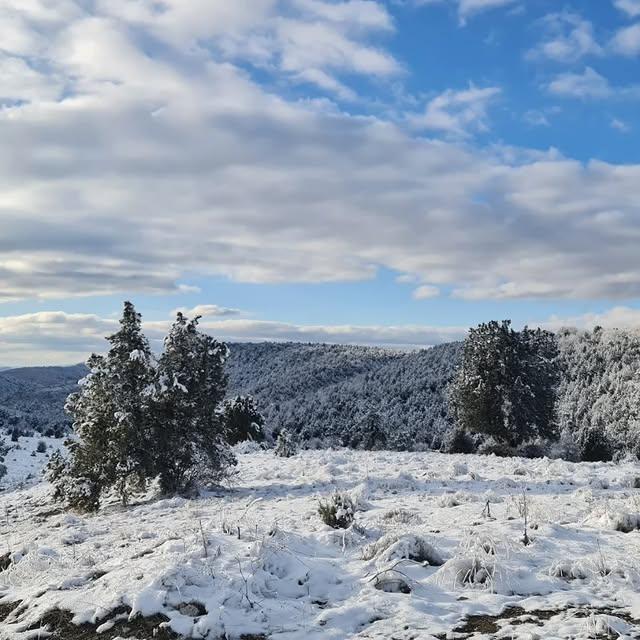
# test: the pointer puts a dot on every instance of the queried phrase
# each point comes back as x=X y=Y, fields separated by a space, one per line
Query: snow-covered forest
x=326 y=394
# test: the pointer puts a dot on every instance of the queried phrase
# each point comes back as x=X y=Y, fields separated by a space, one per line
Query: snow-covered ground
x=423 y=556
x=23 y=461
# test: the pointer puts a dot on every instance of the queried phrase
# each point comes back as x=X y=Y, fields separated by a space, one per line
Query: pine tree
x=188 y=432
x=242 y=421
x=505 y=386
x=110 y=450
x=130 y=371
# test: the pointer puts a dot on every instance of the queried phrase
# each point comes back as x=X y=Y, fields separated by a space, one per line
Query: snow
x=24 y=464
x=422 y=555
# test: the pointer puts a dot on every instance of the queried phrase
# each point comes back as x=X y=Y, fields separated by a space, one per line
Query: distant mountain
x=323 y=393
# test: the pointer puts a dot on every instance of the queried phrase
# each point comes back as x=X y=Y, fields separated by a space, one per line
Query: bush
x=533 y=449
x=459 y=441
x=338 y=512
x=42 y=446
x=499 y=449
x=285 y=446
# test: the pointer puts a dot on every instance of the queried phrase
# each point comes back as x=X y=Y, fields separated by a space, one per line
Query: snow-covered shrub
x=491 y=446
x=459 y=469
x=457 y=440
x=408 y=546
x=567 y=570
x=476 y=571
x=626 y=522
x=338 y=511
x=401 y=516
x=42 y=447
x=448 y=500
x=392 y=582
x=285 y=445
x=533 y=449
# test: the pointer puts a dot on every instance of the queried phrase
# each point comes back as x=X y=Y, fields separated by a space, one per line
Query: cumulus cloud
x=568 y=38
x=630 y=7
x=163 y=157
x=459 y=113
x=55 y=337
x=591 y=85
x=627 y=41
x=588 y=84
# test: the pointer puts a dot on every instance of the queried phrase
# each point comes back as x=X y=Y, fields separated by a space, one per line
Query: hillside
x=33 y=397
x=321 y=392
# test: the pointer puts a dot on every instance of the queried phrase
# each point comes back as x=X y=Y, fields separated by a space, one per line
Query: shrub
x=42 y=446
x=499 y=449
x=533 y=449
x=338 y=512
x=403 y=547
x=285 y=446
x=459 y=441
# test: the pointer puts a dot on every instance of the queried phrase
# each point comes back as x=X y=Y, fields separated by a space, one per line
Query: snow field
x=436 y=551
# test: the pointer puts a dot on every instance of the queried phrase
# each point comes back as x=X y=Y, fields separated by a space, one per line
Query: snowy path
x=288 y=576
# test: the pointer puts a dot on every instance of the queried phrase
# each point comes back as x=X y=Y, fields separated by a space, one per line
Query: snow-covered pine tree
x=505 y=385
x=188 y=433
x=110 y=448
x=130 y=372
x=242 y=420
x=285 y=445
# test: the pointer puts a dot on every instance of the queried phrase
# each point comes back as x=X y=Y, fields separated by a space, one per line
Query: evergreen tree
x=130 y=371
x=110 y=449
x=188 y=432
x=505 y=385
x=242 y=421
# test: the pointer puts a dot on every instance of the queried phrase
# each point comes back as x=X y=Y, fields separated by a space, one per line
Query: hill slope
x=321 y=392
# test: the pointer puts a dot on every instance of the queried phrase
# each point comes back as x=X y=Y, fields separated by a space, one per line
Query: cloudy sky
x=337 y=170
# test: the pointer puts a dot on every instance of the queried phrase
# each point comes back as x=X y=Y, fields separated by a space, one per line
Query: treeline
x=138 y=418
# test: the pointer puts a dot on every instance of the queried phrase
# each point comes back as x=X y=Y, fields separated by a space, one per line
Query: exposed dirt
x=59 y=624
x=514 y=616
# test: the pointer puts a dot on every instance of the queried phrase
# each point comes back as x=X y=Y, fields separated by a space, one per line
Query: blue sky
x=340 y=170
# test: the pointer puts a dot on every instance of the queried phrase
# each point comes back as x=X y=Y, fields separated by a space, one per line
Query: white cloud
x=591 y=85
x=630 y=7
x=425 y=292
x=206 y=311
x=457 y=112
x=615 y=318
x=469 y=8
x=588 y=84
x=568 y=38
x=620 y=125
x=627 y=41
x=535 y=118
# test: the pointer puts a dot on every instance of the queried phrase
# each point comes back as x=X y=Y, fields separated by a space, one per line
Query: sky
x=352 y=171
